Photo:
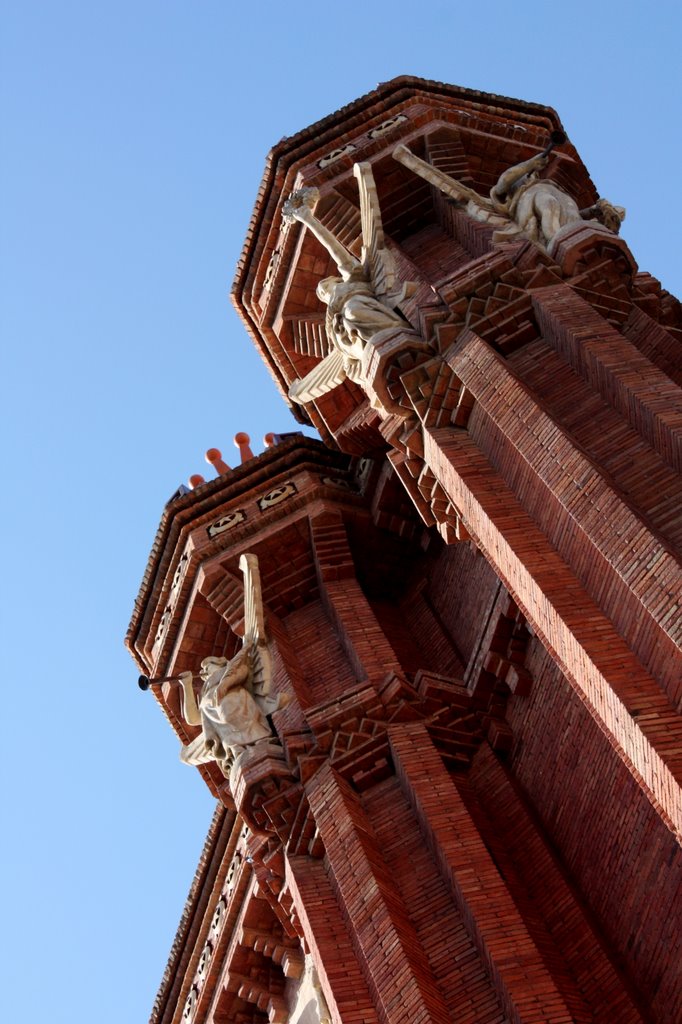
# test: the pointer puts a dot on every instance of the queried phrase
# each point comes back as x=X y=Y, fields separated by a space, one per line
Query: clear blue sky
x=133 y=141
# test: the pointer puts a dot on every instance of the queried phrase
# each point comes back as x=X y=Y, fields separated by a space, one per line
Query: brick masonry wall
x=596 y=660
x=639 y=473
x=656 y=343
x=417 y=636
x=623 y=859
x=459 y=589
x=549 y=432
x=329 y=940
x=545 y=892
x=621 y=563
x=325 y=667
x=455 y=963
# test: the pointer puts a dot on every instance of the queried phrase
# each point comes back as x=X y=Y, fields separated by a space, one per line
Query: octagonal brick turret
x=472 y=135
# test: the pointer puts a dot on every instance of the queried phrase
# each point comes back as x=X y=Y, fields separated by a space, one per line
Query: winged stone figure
x=361 y=302
x=235 y=695
x=520 y=203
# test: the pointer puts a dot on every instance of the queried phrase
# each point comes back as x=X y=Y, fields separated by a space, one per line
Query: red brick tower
x=471 y=810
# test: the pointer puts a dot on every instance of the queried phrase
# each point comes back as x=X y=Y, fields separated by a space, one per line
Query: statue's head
x=325 y=288
x=211 y=665
x=610 y=216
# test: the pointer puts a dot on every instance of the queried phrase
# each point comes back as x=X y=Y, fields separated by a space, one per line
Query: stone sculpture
x=235 y=699
x=361 y=302
x=521 y=203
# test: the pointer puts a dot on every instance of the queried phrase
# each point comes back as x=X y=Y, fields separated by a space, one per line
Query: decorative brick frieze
x=222 y=958
x=260 y=989
x=282 y=950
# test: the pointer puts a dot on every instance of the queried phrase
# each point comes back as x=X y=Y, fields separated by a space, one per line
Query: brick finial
x=195 y=480
x=270 y=440
x=215 y=458
x=242 y=442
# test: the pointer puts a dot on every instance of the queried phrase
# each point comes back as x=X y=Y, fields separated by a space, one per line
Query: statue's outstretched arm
x=508 y=178
x=299 y=207
x=189 y=709
x=449 y=186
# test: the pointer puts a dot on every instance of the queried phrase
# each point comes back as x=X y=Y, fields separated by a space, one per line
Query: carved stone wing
x=196 y=752
x=328 y=374
x=255 y=638
x=377 y=262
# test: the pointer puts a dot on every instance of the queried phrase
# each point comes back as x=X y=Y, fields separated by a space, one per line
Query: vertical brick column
x=359 y=631
x=657 y=344
x=394 y=964
x=624 y=699
x=524 y=984
x=621 y=562
x=328 y=939
x=643 y=395
x=582 y=950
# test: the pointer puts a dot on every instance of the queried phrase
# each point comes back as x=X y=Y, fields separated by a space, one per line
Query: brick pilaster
x=624 y=566
x=625 y=700
x=523 y=983
x=359 y=631
x=394 y=964
x=327 y=937
x=643 y=395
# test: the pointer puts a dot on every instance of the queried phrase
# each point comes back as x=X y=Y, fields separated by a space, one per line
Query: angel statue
x=361 y=302
x=235 y=701
x=521 y=203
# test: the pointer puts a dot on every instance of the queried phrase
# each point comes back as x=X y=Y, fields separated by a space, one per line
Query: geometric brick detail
x=436 y=394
